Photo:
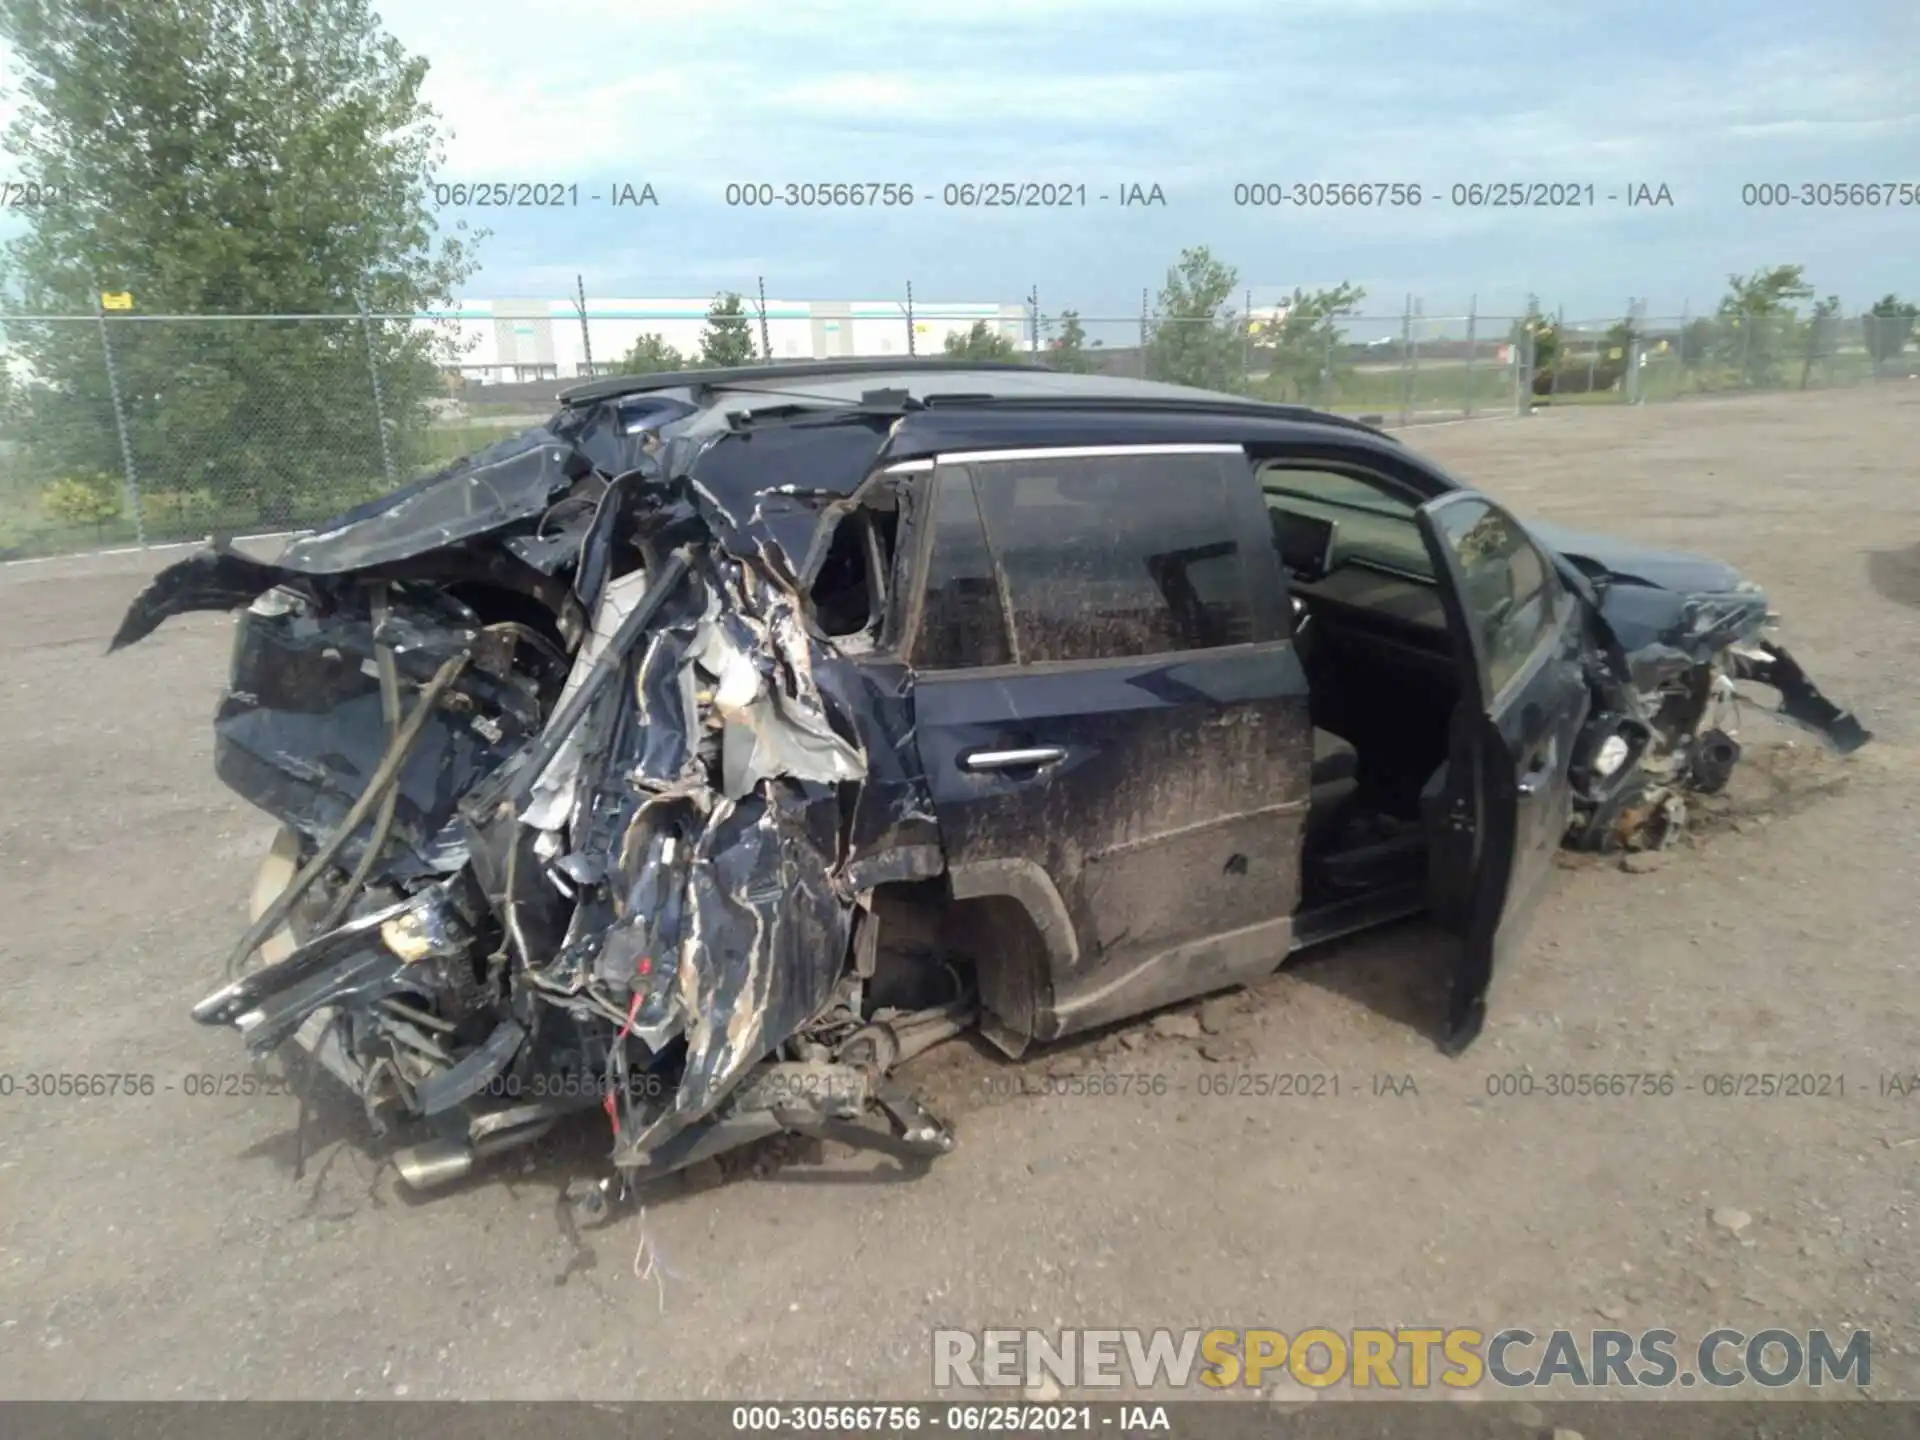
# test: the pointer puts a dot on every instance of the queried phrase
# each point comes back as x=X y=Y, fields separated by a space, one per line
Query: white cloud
x=1135 y=97
x=767 y=85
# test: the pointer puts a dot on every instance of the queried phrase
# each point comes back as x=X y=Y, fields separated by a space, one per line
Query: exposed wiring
x=383 y=822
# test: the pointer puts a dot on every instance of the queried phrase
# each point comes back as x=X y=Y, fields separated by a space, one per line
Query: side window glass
x=1509 y=591
x=1122 y=555
x=961 y=621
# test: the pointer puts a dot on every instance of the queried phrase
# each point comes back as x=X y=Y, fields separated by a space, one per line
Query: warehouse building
x=519 y=341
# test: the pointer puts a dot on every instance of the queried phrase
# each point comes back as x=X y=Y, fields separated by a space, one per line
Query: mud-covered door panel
x=1113 y=723
x=1524 y=699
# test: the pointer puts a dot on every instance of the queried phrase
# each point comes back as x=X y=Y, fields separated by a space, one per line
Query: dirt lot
x=159 y=1246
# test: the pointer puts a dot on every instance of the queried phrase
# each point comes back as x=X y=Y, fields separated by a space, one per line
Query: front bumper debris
x=1672 y=696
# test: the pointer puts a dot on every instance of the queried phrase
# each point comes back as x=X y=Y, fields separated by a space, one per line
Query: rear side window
x=1114 y=555
x=961 y=620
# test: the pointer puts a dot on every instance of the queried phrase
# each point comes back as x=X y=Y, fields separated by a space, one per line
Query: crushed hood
x=1627 y=562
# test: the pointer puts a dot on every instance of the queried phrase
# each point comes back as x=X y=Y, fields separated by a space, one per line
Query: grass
x=442 y=444
x=490 y=409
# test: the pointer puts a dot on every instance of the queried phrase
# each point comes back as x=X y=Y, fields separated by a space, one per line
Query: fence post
x=1033 y=320
x=1680 y=350
x=1630 y=356
x=1246 y=344
x=586 y=335
x=1144 y=362
x=131 y=475
x=379 y=402
x=1473 y=347
x=1523 y=360
x=1406 y=355
x=766 y=340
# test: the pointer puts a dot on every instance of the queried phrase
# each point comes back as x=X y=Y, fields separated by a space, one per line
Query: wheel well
x=991 y=940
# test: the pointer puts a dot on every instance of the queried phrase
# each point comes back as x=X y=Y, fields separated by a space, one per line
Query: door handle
x=1535 y=779
x=1020 y=759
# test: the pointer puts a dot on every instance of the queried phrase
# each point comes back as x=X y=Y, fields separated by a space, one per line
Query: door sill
x=1344 y=917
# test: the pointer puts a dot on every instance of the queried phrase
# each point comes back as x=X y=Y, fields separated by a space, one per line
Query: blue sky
x=1193 y=95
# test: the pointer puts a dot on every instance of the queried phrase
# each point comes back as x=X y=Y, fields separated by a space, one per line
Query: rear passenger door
x=1113 y=721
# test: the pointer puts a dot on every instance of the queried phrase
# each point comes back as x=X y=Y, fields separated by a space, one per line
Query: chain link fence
x=123 y=430
x=1413 y=367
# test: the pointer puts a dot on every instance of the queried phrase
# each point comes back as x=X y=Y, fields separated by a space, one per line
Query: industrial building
x=509 y=341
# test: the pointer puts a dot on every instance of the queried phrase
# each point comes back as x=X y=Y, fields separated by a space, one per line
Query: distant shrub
x=83 y=500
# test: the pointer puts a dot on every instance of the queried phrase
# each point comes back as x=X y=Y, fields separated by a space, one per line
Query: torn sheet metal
x=764 y=492
x=635 y=832
x=516 y=479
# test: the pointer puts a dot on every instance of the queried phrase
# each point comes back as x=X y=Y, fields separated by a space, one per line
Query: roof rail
x=613 y=386
x=1199 y=405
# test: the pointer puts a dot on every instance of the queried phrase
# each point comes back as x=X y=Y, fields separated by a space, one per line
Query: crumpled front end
x=581 y=810
x=1682 y=663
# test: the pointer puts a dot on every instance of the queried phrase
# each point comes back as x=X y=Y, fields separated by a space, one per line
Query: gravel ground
x=159 y=1245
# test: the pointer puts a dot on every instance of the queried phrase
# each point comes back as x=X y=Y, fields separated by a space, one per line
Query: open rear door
x=1506 y=799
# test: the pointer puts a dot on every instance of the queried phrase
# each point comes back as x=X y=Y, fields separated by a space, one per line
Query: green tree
x=1759 y=322
x=728 y=339
x=1068 y=350
x=1197 y=338
x=980 y=342
x=1822 y=337
x=1889 y=327
x=1697 y=341
x=1536 y=330
x=228 y=157
x=651 y=355
x=1298 y=345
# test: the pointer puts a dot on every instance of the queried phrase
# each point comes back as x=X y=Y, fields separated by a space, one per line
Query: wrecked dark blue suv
x=701 y=755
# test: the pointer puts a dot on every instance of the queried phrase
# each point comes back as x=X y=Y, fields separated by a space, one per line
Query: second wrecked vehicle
x=706 y=752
